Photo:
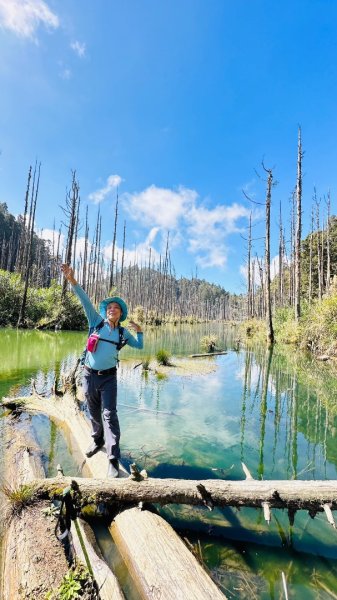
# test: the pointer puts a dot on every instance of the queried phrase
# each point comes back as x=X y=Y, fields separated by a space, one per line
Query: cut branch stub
x=206 y=496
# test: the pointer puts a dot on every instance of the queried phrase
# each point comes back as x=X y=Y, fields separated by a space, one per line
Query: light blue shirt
x=105 y=355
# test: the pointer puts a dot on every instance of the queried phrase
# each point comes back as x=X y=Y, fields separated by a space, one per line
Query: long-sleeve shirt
x=105 y=355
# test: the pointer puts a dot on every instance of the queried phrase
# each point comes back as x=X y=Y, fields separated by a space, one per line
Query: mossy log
x=160 y=563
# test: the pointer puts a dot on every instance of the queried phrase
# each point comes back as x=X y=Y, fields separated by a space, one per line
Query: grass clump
x=163 y=357
x=77 y=583
x=209 y=343
x=18 y=498
x=146 y=363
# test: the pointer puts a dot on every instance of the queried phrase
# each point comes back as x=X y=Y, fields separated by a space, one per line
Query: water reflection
x=275 y=413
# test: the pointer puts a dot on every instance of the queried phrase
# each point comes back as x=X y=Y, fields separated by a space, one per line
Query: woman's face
x=113 y=312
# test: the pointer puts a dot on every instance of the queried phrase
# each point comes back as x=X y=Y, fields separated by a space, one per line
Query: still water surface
x=277 y=413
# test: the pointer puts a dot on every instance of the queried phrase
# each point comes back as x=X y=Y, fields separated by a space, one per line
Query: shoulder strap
x=96 y=327
x=122 y=341
x=92 y=329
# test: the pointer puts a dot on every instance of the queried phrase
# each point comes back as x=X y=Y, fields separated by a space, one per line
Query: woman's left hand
x=134 y=326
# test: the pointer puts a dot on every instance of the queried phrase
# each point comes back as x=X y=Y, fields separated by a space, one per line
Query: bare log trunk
x=29 y=539
x=289 y=494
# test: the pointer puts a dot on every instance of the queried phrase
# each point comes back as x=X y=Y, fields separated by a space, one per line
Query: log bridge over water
x=159 y=562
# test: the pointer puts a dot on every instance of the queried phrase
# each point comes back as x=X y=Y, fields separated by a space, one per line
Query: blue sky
x=176 y=103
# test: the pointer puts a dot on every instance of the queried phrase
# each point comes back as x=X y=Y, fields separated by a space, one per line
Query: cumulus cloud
x=180 y=212
x=139 y=254
x=208 y=229
x=49 y=235
x=113 y=181
x=78 y=48
x=23 y=17
x=160 y=207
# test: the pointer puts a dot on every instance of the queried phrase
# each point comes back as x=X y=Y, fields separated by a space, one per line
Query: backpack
x=95 y=329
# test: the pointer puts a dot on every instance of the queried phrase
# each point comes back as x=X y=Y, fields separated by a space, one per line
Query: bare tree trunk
x=270 y=330
x=249 y=279
x=23 y=237
x=319 y=262
x=310 y=257
x=70 y=211
x=112 y=269
x=328 y=256
x=298 y=228
x=28 y=256
x=280 y=261
x=123 y=257
x=85 y=255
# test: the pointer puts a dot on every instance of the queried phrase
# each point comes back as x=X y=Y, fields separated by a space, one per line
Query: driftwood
x=160 y=563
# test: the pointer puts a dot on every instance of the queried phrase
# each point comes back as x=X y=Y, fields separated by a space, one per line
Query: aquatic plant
x=209 y=342
x=163 y=357
x=146 y=363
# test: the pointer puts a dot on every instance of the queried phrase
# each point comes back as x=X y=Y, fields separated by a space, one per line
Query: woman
x=99 y=376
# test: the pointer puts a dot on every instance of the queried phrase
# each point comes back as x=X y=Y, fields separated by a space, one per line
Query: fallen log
x=207 y=354
x=107 y=583
x=29 y=541
x=34 y=560
x=88 y=552
x=313 y=496
x=149 y=546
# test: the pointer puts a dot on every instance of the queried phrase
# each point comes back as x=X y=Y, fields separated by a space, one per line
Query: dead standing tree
x=72 y=200
x=298 y=232
x=27 y=261
x=269 y=321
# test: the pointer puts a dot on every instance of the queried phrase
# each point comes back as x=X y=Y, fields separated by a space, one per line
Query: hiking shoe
x=94 y=447
x=113 y=468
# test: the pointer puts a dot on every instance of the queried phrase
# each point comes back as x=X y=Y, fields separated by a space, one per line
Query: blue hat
x=104 y=304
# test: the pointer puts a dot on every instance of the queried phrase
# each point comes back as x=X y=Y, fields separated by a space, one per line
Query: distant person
x=101 y=359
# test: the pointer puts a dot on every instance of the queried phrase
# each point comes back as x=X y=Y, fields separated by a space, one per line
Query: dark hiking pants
x=100 y=392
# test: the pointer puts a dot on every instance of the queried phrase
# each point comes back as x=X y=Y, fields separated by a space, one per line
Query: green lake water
x=275 y=412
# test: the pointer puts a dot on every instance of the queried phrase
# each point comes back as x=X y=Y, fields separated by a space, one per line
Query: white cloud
x=255 y=267
x=47 y=234
x=139 y=254
x=113 y=181
x=203 y=229
x=160 y=207
x=23 y=17
x=208 y=229
x=78 y=48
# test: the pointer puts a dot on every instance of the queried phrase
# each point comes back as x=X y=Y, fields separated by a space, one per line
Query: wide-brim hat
x=104 y=304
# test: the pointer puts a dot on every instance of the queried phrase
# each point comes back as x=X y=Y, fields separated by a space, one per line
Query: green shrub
x=11 y=292
x=209 y=342
x=319 y=326
x=163 y=357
